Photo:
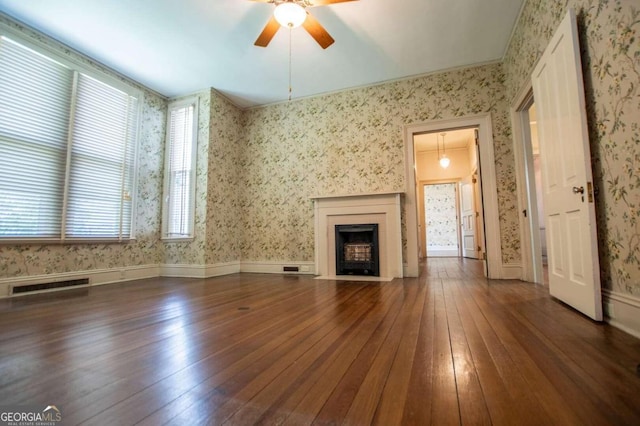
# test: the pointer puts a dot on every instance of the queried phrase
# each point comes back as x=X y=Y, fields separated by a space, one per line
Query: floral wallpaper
x=610 y=45
x=352 y=142
x=223 y=183
x=23 y=260
x=441 y=215
x=217 y=230
x=193 y=252
x=257 y=168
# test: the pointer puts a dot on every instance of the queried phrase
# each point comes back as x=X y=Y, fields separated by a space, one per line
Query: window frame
x=176 y=105
x=77 y=66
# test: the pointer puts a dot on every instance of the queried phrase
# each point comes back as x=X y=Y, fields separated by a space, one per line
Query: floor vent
x=47 y=286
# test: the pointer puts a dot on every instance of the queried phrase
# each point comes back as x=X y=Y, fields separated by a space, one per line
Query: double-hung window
x=67 y=149
x=180 y=170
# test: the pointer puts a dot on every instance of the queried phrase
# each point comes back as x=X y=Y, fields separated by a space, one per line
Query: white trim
x=622 y=311
x=379 y=83
x=489 y=191
x=60 y=56
x=516 y=25
x=383 y=209
x=199 y=271
x=530 y=244
x=96 y=277
x=277 y=267
x=69 y=56
x=454 y=252
x=361 y=194
x=184 y=103
x=511 y=271
x=405 y=269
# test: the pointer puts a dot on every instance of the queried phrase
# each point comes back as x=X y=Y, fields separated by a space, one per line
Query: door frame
x=530 y=244
x=423 y=221
x=493 y=262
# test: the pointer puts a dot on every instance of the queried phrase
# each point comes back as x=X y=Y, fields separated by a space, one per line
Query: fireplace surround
x=381 y=209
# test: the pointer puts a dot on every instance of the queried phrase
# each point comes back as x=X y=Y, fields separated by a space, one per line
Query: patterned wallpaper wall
x=441 y=216
x=352 y=142
x=217 y=230
x=193 y=252
x=610 y=44
x=262 y=165
x=223 y=186
x=26 y=260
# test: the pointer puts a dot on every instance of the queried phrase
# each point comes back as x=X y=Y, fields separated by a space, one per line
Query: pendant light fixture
x=444 y=160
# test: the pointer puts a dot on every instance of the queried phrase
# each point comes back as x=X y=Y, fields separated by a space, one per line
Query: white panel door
x=566 y=173
x=468 y=216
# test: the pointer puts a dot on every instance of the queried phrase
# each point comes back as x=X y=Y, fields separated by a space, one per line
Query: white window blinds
x=100 y=180
x=68 y=149
x=34 y=119
x=179 y=186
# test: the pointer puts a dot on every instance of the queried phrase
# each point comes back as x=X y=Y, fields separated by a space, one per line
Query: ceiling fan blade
x=267 y=34
x=317 y=31
x=325 y=2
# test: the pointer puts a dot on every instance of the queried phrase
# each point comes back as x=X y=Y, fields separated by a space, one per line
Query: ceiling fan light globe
x=444 y=162
x=289 y=14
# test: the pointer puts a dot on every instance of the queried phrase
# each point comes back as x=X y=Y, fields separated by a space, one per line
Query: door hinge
x=524 y=212
x=590 y=192
x=477 y=214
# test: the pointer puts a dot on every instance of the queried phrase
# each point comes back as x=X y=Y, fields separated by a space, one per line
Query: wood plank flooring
x=449 y=347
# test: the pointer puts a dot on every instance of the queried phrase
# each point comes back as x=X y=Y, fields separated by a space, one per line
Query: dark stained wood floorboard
x=450 y=347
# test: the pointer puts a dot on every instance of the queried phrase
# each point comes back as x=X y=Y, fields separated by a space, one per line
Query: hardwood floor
x=448 y=348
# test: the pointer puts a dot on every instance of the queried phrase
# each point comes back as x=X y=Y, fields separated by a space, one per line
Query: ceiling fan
x=293 y=13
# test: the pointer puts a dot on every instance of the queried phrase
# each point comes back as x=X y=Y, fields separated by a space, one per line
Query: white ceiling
x=453 y=139
x=177 y=47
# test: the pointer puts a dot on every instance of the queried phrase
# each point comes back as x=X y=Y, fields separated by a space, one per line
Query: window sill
x=169 y=240
x=58 y=241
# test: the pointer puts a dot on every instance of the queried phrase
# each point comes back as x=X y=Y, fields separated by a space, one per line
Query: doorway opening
x=451 y=214
x=534 y=245
x=441 y=231
x=487 y=187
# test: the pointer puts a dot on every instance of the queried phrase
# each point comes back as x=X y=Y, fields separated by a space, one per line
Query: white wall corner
x=622 y=311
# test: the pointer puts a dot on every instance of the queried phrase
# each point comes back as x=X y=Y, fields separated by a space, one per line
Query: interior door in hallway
x=569 y=212
x=469 y=216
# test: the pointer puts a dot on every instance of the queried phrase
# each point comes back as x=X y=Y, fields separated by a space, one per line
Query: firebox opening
x=357 y=251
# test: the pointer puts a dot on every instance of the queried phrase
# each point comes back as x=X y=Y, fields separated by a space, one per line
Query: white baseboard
x=408 y=273
x=622 y=311
x=96 y=277
x=511 y=271
x=199 y=271
x=442 y=252
x=129 y=273
x=277 y=267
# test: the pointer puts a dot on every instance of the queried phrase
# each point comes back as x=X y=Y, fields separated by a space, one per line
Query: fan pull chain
x=289 y=63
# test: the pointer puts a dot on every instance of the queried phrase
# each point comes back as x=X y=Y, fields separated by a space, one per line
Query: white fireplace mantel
x=382 y=209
